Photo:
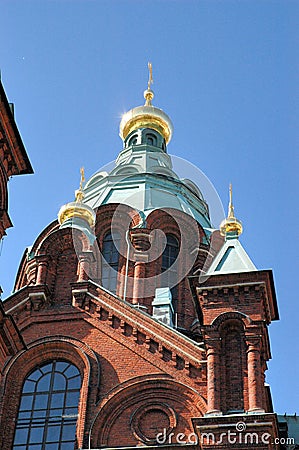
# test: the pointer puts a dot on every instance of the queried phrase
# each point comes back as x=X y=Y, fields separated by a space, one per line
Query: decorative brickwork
x=141 y=377
x=198 y=381
x=13 y=157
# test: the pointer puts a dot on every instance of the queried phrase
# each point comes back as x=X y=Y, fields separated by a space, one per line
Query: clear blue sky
x=227 y=74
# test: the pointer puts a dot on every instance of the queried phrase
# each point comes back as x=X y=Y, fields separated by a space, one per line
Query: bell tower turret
x=238 y=303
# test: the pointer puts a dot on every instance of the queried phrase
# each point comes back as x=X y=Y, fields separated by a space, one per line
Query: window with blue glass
x=169 y=256
x=110 y=261
x=48 y=408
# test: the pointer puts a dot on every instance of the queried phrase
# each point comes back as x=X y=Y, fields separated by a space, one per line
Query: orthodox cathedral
x=133 y=322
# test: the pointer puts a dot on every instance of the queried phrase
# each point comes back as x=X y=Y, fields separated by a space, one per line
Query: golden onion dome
x=231 y=226
x=146 y=116
x=77 y=209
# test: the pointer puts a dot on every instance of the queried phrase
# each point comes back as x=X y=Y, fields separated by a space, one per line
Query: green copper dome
x=143 y=178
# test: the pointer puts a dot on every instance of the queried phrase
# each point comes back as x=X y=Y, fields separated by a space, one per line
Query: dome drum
x=146 y=117
x=145 y=136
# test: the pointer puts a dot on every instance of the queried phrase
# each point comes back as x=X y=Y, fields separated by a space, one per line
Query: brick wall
x=139 y=376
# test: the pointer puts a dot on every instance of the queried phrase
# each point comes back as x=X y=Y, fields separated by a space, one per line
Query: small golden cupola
x=146 y=116
x=231 y=227
x=77 y=214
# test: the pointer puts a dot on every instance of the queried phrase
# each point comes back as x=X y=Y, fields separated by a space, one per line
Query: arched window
x=110 y=261
x=169 y=256
x=48 y=408
x=133 y=140
x=151 y=139
x=233 y=357
x=170 y=253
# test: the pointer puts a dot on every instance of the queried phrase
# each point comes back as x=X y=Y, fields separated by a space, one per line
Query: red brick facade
x=13 y=157
x=143 y=383
x=139 y=376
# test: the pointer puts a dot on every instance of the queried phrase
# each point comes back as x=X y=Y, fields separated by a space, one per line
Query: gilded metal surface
x=79 y=210
x=79 y=196
x=79 y=193
x=146 y=117
x=82 y=178
x=150 y=75
x=231 y=213
x=148 y=94
x=231 y=224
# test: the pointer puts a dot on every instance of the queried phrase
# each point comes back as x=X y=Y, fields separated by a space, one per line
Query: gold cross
x=150 y=77
x=79 y=193
x=231 y=206
x=82 y=178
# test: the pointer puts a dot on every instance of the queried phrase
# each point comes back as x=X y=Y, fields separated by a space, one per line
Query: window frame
x=110 y=262
x=168 y=261
x=151 y=137
x=42 y=413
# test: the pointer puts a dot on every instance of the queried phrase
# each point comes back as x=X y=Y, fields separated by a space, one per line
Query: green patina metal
x=143 y=178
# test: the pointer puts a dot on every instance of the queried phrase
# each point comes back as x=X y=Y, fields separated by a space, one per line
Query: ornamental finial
x=148 y=94
x=231 y=213
x=146 y=116
x=72 y=212
x=150 y=75
x=79 y=193
x=231 y=227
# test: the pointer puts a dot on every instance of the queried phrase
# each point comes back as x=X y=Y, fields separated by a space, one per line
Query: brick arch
x=37 y=353
x=27 y=269
x=104 y=219
x=121 y=217
x=48 y=247
x=53 y=226
x=57 y=259
x=126 y=216
x=166 y=219
x=232 y=316
x=63 y=238
x=183 y=227
x=22 y=278
x=113 y=426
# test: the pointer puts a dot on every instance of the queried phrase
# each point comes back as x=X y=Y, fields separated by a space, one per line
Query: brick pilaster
x=254 y=373
x=42 y=268
x=213 y=376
